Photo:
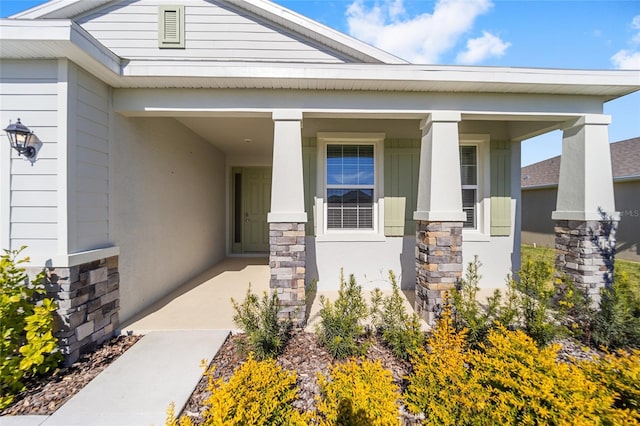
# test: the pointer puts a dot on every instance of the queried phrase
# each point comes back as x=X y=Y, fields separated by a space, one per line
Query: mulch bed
x=302 y=354
x=44 y=395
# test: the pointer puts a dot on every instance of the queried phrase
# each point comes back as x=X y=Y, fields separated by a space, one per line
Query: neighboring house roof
x=625 y=164
x=286 y=18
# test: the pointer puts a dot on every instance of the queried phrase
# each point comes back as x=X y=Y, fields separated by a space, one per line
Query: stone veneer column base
x=88 y=298
x=438 y=264
x=585 y=253
x=287 y=260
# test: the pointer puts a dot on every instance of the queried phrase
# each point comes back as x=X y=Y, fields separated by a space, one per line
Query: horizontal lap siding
x=92 y=163
x=130 y=29
x=28 y=90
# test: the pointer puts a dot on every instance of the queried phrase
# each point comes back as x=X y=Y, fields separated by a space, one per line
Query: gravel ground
x=44 y=395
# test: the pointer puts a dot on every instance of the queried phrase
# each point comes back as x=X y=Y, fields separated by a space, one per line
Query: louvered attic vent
x=171 y=27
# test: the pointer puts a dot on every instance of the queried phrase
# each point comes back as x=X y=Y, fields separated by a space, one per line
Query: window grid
x=350 y=184
x=469 y=180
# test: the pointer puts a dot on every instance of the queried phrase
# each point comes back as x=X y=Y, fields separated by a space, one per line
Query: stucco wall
x=167 y=210
x=537 y=226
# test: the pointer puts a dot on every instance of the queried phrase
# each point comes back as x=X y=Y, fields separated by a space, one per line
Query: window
x=350 y=185
x=469 y=179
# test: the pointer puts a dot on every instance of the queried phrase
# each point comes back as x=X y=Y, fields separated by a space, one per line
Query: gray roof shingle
x=625 y=162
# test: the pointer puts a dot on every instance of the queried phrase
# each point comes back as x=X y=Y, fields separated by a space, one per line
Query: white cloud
x=626 y=60
x=418 y=39
x=481 y=48
x=629 y=58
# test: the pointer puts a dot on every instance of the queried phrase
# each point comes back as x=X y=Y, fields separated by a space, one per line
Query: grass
x=545 y=253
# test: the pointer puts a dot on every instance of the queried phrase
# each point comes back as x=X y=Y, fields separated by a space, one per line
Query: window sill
x=473 y=235
x=351 y=237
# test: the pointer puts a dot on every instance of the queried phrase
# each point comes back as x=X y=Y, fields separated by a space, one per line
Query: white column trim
x=287 y=187
x=62 y=158
x=585 y=184
x=439 y=188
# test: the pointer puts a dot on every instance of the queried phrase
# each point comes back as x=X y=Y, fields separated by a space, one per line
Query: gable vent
x=171 y=27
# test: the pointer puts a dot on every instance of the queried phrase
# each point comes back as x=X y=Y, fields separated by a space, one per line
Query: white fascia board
x=606 y=84
x=59 y=9
x=57 y=39
x=316 y=31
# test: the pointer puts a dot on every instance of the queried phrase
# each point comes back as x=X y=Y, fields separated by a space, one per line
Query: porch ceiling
x=235 y=136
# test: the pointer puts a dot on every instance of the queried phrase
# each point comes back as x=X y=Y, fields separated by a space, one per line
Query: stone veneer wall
x=287 y=260
x=88 y=297
x=585 y=253
x=438 y=264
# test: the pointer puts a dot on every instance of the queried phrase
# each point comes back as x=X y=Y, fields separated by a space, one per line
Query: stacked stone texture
x=438 y=264
x=88 y=298
x=287 y=260
x=585 y=252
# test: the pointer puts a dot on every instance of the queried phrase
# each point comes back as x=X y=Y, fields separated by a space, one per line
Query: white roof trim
x=66 y=9
x=316 y=31
x=59 y=9
x=54 y=38
x=37 y=39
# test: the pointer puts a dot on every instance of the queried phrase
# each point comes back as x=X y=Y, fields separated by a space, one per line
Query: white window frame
x=323 y=232
x=483 y=193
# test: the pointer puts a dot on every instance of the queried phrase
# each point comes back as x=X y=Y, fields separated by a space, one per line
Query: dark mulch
x=46 y=394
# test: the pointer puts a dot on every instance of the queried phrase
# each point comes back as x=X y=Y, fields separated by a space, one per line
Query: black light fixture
x=23 y=140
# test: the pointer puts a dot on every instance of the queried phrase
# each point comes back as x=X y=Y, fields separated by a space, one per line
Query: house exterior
x=176 y=133
x=539 y=183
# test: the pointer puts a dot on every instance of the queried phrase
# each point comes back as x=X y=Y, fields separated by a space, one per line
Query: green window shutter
x=500 y=188
x=401 y=164
x=170 y=27
x=309 y=170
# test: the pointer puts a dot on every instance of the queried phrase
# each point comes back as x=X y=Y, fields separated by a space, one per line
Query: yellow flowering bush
x=258 y=393
x=358 y=392
x=440 y=385
x=620 y=373
x=525 y=385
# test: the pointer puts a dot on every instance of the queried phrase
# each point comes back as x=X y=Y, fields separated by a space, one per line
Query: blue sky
x=582 y=34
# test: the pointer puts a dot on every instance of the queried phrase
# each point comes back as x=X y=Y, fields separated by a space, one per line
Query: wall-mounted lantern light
x=23 y=140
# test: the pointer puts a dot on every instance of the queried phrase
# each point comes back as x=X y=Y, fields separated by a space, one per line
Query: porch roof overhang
x=49 y=39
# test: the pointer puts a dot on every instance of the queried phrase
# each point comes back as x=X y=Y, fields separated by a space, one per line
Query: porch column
x=287 y=216
x=585 y=216
x=439 y=216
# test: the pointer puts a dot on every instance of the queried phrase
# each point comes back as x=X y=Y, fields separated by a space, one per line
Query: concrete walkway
x=136 y=390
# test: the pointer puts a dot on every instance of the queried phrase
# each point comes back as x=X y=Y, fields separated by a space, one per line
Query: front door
x=253 y=193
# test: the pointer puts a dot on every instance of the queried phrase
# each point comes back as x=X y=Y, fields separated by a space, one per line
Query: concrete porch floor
x=204 y=302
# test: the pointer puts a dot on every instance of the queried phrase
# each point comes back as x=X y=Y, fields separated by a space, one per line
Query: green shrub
x=469 y=314
x=358 y=393
x=258 y=393
x=341 y=322
x=617 y=322
x=400 y=331
x=266 y=334
x=536 y=289
x=28 y=347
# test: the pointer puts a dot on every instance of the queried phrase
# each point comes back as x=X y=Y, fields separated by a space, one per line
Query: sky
x=578 y=34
